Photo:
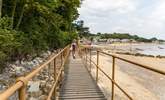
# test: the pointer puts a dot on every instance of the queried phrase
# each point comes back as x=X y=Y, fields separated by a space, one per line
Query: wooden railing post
x=55 y=69
x=90 y=59
x=49 y=68
x=22 y=93
x=86 y=56
x=84 y=53
x=62 y=61
x=113 y=77
x=97 y=66
x=22 y=90
x=55 y=77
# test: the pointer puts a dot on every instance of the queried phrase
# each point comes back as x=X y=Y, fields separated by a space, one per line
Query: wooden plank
x=78 y=83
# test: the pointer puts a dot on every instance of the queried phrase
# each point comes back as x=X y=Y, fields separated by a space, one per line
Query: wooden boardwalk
x=78 y=84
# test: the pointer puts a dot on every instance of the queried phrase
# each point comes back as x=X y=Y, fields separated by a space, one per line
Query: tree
x=21 y=14
x=154 y=39
x=98 y=33
x=30 y=27
x=1 y=2
x=82 y=30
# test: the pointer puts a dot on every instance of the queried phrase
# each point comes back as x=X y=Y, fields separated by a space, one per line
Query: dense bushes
x=30 y=28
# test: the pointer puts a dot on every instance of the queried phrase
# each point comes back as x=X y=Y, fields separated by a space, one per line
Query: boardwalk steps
x=78 y=84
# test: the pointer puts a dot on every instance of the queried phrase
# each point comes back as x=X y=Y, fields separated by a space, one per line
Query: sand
x=140 y=83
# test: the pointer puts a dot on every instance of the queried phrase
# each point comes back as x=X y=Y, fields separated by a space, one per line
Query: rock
x=29 y=58
x=13 y=66
x=42 y=84
x=49 y=86
x=19 y=71
x=44 y=55
x=49 y=52
x=46 y=90
x=14 y=96
x=33 y=86
x=35 y=62
x=32 y=98
x=23 y=62
x=1 y=87
x=29 y=65
x=39 y=60
x=35 y=94
x=34 y=89
x=17 y=62
x=42 y=97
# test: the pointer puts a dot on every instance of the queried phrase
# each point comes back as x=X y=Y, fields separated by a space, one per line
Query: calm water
x=149 y=49
x=154 y=50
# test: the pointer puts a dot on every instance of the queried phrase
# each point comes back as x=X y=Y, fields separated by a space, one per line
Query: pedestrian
x=73 y=48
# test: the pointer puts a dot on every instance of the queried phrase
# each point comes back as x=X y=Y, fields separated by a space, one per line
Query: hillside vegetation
x=30 y=27
x=126 y=36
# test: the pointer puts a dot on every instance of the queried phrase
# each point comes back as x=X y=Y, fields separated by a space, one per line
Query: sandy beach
x=140 y=83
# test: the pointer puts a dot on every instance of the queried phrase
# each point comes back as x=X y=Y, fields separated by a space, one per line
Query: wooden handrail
x=98 y=67
x=11 y=90
x=135 y=63
x=57 y=79
x=89 y=59
x=22 y=81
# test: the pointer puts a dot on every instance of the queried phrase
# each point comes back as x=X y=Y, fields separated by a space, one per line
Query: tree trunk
x=13 y=13
x=20 y=18
x=1 y=4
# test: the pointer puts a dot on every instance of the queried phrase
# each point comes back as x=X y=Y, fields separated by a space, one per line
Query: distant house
x=125 y=40
x=95 y=40
x=121 y=41
x=109 y=41
x=156 y=41
x=128 y=41
x=113 y=41
x=133 y=41
x=102 y=41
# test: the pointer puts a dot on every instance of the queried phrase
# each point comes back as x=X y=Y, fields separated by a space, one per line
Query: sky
x=144 y=18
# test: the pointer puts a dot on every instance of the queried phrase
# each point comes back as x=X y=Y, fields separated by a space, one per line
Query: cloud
x=142 y=17
x=106 y=5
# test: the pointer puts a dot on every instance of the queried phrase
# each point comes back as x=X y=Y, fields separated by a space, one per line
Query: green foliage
x=5 y=23
x=2 y=60
x=116 y=36
x=70 y=36
x=35 y=26
x=125 y=36
x=83 y=31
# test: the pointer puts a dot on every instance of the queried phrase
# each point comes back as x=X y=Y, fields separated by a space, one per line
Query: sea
x=148 y=49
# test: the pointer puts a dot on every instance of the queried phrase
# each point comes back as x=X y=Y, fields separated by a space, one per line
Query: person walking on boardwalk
x=73 y=48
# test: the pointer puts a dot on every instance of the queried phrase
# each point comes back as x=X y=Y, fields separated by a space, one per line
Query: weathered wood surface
x=78 y=84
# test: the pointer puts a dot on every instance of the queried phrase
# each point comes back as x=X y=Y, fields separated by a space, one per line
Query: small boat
x=139 y=49
x=160 y=47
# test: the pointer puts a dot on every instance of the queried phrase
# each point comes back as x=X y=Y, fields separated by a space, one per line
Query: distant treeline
x=125 y=36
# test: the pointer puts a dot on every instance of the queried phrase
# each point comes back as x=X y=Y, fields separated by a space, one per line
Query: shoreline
x=141 y=55
x=131 y=49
